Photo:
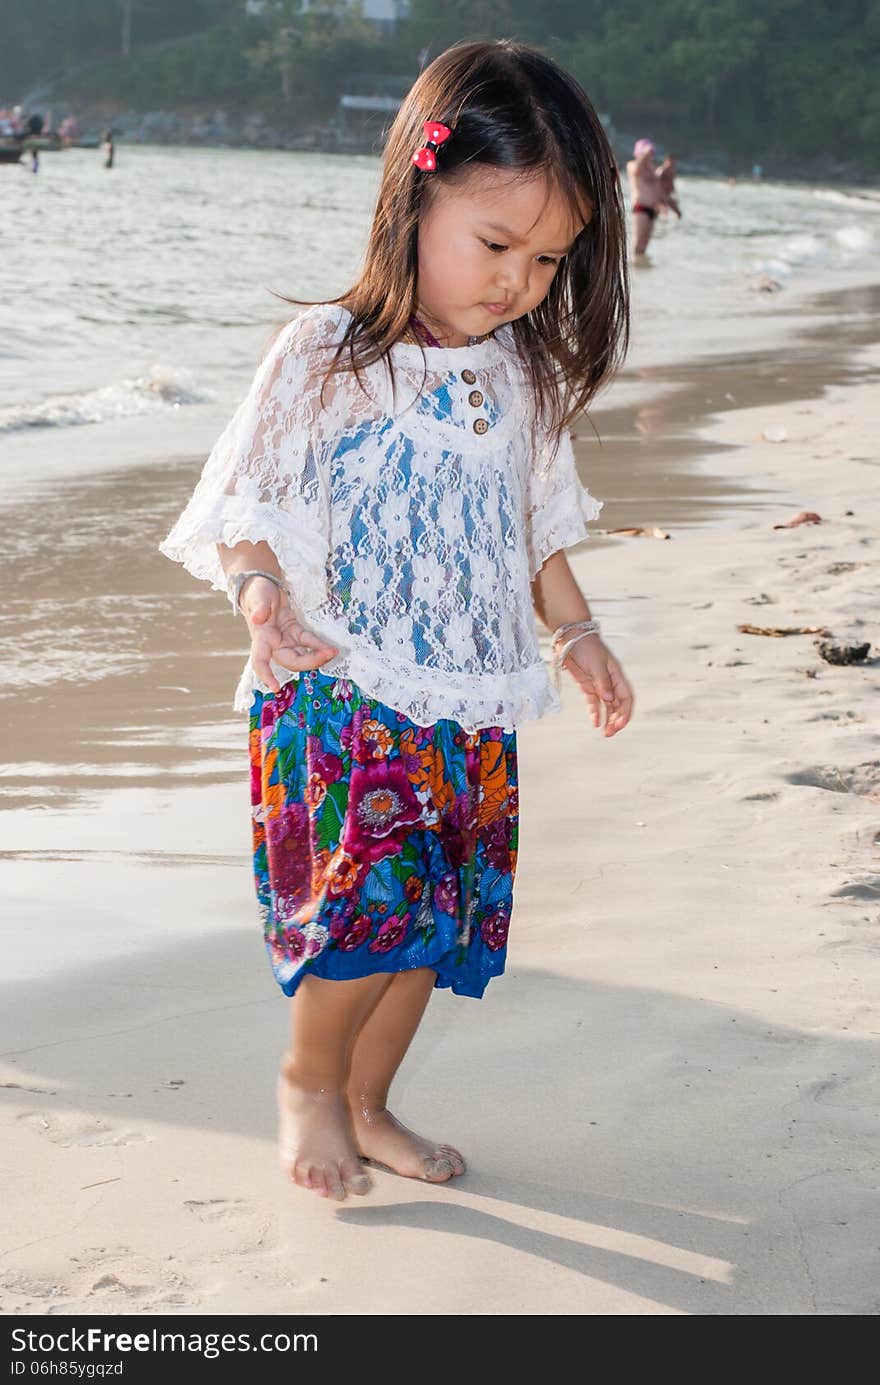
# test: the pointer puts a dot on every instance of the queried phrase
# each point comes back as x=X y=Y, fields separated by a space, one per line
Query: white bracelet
x=589 y=627
x=584 y=628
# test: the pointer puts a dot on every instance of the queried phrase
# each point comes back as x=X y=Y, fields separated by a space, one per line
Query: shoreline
x=834 y=172
x=182 y=437
x=695 y=941
x=663 y=442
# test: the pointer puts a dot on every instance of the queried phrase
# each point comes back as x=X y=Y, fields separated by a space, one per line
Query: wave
x=863 y=201
x=854 y=237
x=793 y=253
x=163 y=387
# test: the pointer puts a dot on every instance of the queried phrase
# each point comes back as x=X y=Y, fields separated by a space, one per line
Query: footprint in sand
x=100 y=1279
x=112 y=1284
x=18 y=1291
x=250 y=1230
x=120 y=1280
x=863 y=779
x=214 y=1209
x=859 y=1092
x=70 y=1130
x=868 y=888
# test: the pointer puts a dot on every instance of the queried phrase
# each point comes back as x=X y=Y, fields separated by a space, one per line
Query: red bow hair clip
x=435 y=134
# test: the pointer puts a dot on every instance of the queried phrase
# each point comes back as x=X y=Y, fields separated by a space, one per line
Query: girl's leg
x=317 y=1145
x=381 y=1043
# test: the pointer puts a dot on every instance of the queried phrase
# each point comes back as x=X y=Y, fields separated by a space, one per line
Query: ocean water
x=146 y=292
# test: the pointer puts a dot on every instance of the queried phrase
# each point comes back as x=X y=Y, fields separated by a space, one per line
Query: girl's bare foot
x=381 y=1137
x=315 y=1144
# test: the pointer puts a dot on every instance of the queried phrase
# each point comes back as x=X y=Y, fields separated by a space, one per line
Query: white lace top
x=408 y=526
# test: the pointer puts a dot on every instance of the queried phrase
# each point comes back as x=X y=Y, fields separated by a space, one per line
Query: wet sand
x=687 y=1034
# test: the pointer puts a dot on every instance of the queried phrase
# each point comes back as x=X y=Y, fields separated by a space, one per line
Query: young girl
x=388 y=509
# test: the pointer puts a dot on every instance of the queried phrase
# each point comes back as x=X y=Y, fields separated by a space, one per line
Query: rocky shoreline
x=253 y=130
x=216 y=128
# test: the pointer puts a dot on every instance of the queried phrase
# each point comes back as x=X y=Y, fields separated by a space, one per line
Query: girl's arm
x=248 y=555
x=245 y=557
x=557 y=599
x=556 y=596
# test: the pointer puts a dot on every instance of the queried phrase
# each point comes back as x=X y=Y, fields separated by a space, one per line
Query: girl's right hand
x=278 y=633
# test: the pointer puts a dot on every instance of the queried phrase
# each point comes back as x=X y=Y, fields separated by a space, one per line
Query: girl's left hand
x=603 y=682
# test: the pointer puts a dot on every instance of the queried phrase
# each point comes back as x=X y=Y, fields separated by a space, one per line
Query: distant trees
x=762 y=79
x=296 y=38
x=40 y=36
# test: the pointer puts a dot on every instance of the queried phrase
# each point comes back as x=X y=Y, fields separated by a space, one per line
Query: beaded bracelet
x=584 y=628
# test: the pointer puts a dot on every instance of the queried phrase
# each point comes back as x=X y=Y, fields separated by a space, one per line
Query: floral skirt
x=379 y=845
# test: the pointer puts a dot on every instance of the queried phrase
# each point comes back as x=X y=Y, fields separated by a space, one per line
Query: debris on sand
x=842 y=653
x=647 y=531
x=783 y=630
x=804 y=517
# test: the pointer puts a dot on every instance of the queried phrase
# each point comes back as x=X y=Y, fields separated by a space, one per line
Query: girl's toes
x=334 y=1185
x=438 y=1168
x=300 y=1174
x=356 y=1179
x=455 y=1159
x=317 y=1181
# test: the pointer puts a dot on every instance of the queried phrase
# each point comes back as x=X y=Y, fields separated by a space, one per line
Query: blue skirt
x=379 y=845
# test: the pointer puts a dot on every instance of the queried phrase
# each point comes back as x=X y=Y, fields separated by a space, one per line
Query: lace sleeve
x=558 y=506
x=265 y=478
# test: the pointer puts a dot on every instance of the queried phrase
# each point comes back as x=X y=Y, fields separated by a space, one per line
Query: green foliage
x=40 y=37
x=301 y=52
x=794 y=77
x=205 y=67
x=762 y=79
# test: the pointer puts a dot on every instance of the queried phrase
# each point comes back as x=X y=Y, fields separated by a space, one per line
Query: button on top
x=481 y=425
x=475 y=397
x=469 y=377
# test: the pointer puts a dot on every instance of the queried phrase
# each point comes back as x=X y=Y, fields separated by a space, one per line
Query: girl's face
x=488 y=251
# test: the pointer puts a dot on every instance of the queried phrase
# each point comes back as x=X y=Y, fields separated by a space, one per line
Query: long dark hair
x=509 y=106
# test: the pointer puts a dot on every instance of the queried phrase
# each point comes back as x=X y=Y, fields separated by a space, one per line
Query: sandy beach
x=669 y=1104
